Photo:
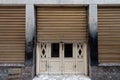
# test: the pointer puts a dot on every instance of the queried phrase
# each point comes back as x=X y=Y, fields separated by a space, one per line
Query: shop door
x=61 y=58
x=61 y=40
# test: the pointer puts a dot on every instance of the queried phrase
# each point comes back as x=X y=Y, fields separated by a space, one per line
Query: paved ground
x=62 y=77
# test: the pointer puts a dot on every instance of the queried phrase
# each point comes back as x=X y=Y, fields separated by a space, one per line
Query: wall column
x=30 y=34
x=93 y=34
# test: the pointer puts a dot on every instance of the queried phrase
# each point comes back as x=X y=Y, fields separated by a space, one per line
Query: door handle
x=74 y=66
x=47 y=66
x=62 y=46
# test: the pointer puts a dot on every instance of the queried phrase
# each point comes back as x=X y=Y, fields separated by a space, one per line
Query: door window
x=55 y=50
x=68 y=50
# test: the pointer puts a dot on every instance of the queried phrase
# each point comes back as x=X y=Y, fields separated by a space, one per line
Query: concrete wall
x=105 y=72
x=26 y=72
x=16 y=73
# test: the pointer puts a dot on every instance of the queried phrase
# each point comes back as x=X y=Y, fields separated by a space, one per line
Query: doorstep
x=61 y=77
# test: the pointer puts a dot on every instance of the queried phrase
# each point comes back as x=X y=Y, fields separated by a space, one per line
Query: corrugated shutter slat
x=109 y=34
x=12 y=34
x=61 y=24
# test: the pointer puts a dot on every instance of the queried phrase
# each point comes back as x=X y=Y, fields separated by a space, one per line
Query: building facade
x=79 y=37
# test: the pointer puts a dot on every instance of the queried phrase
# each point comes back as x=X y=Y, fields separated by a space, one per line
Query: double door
x=61 y=58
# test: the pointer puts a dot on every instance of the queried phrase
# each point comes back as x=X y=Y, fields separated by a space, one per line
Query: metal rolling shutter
x=61 y=24
x=109 y=34
x=12 y=34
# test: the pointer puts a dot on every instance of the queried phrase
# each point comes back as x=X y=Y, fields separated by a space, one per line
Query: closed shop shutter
x=109 y=34
x=61 y=24
x=12 y=34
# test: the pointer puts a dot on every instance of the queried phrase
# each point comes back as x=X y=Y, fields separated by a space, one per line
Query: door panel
x=69 y=66
x=55 y=58
x=68 y=59
x=43 y=66
x=81 y=58
x=42 y=58
x=80 y=68
x=54 y=66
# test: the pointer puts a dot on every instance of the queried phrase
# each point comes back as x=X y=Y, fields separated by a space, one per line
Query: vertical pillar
x=30 y=34
x=93 y=34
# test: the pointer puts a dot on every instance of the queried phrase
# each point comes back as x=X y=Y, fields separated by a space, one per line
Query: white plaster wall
x=112 y=2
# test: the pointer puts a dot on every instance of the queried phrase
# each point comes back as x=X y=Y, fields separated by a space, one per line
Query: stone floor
x=61 y=77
